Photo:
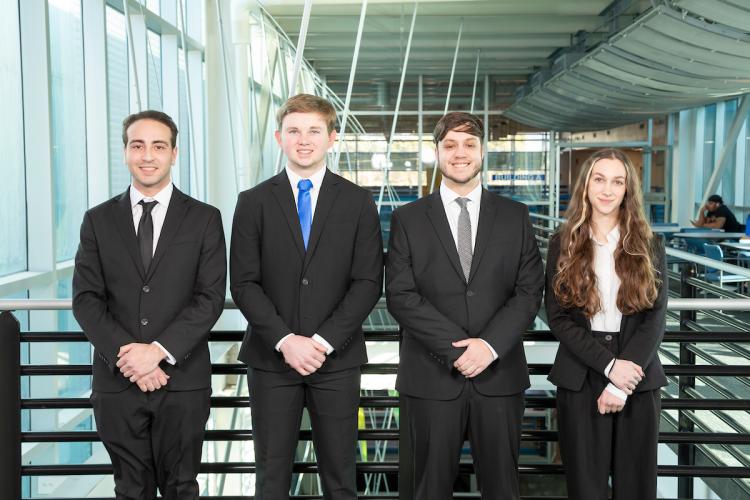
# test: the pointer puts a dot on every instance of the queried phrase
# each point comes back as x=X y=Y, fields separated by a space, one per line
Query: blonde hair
x=307 y=103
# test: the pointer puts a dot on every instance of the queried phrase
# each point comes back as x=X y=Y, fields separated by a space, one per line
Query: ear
x=332 y=138
x=277 y=135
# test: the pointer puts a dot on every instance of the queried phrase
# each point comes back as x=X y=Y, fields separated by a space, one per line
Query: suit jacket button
x=305 y=282
x=146 y=288
x=144 y=321
x=470 y=293
x=608 y=337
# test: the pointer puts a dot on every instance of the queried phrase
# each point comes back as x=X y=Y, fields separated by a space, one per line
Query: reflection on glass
x=118 y=98
x=12 y=169
x=154 y=71
x=68 y=118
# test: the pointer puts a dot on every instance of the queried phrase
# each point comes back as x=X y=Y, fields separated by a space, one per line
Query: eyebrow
x=615 y=177
x=141 y=141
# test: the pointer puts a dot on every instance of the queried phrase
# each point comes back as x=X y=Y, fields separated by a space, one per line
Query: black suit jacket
x=328 y=289
x=429 y=297
x=641 y=333
x=176 y=303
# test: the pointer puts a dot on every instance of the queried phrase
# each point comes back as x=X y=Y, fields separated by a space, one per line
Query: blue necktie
x=304 y=208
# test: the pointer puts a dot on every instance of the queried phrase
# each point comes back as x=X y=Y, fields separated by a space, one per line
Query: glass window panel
x=153 y=6
x=118 y=97
x=68 y=116
x=154 y=71
x=13 y=248
x=709 y=134
x=730 y=166
x=183 y=126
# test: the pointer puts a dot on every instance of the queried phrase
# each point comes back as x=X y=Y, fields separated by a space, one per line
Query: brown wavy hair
x=574 y=284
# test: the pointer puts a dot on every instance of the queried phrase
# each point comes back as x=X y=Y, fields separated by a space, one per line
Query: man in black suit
x=464 y=280
x=149 y=283
x=306 y=269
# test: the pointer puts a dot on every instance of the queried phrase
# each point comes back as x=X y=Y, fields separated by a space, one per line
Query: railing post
x=686 y=451
x=405 y=450
x=10 y=395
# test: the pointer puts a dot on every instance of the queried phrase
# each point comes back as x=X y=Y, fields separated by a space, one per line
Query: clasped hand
x=626 y=375
x=303 y=354
x=139 y=363
x=609 y=403
x=474 y=359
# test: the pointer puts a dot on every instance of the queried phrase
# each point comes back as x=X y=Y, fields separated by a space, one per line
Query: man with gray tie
x=464 y=280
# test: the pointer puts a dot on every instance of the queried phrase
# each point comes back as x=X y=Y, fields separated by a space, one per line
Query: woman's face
x=607 y=186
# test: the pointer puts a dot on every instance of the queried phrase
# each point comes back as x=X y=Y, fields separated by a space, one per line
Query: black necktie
x=146 y=233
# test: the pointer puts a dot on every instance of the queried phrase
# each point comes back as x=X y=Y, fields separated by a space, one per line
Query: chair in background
x=714 y=275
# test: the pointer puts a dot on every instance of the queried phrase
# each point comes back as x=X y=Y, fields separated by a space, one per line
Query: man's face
x=712 y=206
x=459 y=156
x=149 y=155
x=304 y=138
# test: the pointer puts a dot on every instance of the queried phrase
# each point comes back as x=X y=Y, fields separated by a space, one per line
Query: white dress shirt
x=158 y=214
x=453 y=210
x=608 y=319
x=317 y=181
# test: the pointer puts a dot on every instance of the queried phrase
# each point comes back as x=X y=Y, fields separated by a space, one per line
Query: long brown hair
x=575 y=282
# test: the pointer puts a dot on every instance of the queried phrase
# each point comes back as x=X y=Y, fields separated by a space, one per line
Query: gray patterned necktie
x=464 y=237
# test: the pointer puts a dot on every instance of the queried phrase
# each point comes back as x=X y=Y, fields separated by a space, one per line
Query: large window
x=118 y=97
x=12 y=187
x=183 y=124
x=68 y=118
x=154 y=71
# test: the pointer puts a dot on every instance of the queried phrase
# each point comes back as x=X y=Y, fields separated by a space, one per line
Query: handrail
x=673 y=304
x=705 y=261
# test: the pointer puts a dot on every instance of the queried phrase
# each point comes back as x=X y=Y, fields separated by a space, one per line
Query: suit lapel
x=486 y=222
x=329 y=191
x=436 y=214
x=124 y=221
x=282 y=190
x=176 y=212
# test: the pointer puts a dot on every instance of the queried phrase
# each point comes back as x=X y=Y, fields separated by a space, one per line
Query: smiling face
x=459 y=156
x=305 y=139
x=607 y=187
x=149 y=155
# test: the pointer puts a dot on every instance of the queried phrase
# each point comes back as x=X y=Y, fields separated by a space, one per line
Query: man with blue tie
x=306 y=268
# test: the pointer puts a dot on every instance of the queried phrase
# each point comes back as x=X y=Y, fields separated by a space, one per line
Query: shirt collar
x=316 y=178
x=162 y=196
x=449 y=196
x=613 y=236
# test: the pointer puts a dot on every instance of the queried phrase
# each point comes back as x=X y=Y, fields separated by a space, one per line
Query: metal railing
x=11 y=438
x=684 y=373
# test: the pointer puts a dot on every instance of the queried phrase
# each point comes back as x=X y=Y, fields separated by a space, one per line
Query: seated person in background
x=715 y=214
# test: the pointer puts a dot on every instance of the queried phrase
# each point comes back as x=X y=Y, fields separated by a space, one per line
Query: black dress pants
x=154 y=439
x=623 y=444
x=437 y=430
x=332 y=400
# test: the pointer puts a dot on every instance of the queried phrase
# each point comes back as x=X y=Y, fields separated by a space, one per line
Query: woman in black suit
x=606 y=299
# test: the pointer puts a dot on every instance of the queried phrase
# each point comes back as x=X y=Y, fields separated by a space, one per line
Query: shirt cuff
x=278 y=344
x=169 y=358
x=609 y=367
x=613 y=389
x=494 y=353
x=320 y=340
